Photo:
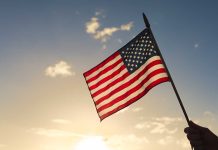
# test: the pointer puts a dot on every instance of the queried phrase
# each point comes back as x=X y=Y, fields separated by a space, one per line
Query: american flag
x=126 y=76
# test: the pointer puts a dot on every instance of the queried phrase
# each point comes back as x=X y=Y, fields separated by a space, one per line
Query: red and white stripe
x=113 y=88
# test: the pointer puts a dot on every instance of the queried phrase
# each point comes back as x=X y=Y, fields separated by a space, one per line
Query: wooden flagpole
x=168 y=73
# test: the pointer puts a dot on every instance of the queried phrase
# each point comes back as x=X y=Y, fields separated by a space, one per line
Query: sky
x=47 y=45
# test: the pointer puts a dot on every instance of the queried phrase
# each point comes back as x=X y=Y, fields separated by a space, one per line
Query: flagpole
x=168 y=73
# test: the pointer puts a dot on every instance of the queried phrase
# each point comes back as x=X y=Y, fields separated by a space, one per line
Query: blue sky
x=45 y=47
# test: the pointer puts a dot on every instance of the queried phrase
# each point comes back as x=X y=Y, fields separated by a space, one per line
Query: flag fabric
x=126 y=76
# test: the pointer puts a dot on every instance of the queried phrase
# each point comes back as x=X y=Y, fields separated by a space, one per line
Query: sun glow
x=95 y=143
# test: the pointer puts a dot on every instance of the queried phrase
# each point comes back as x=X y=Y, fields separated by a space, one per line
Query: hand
x=201 y=138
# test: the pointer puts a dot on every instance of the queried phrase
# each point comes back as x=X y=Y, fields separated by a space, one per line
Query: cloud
x=92 y=26
x=168 y=120
x=100 y=13
x=166 y=140
x=61 y=121
x=162 y=128
x=59 y=69
x=54 y=133
x=123 y=110
x=137 y=109
x=196 y=45
x=126 y=27
x=104 y=34
x=97 y=13
x=160 y=125
x=143 y=125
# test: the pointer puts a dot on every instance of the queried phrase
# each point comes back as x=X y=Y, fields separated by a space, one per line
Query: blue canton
x=138 y=51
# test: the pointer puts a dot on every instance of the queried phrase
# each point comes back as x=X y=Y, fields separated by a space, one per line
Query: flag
x=127 y=75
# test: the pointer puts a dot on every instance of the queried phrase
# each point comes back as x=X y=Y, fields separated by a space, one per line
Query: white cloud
x=92 y=25
x=168 y=120
x=162 y=128
x=196 y=45
x=137 y=109
x=126 y=27
x=97 y=13
x=123 y=110
x=143 y=125
x=104 y=34
x=59 y=69
x=166 y=140
x=100 y=13
x=55 y=133
x=161 y=125
x=61 y=121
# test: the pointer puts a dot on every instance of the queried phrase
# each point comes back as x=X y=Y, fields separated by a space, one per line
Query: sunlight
x=95 y=143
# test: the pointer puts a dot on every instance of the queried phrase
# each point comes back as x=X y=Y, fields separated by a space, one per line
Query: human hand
x=201 y=138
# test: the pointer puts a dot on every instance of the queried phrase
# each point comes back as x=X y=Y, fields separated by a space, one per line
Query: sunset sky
x=47 y=45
